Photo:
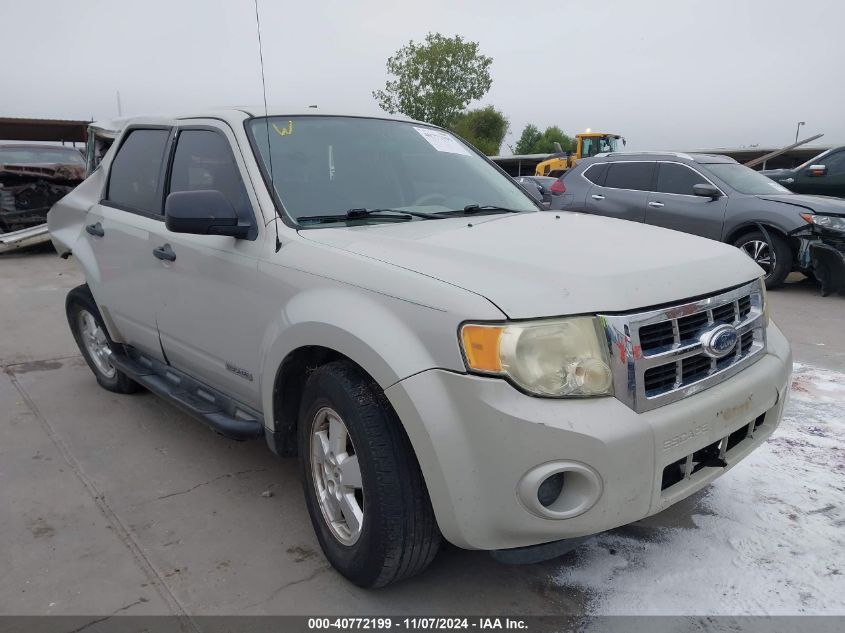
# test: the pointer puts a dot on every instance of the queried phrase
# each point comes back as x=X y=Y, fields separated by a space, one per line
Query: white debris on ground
x=768 y=536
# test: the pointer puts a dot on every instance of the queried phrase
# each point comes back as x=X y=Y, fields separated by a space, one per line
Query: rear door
x=624 y=190
x=208 y=316
x=118 y=230
x=674 y=205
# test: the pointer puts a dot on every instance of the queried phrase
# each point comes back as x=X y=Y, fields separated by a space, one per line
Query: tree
x=436 y=80
x=533 y=142
x=485 y=128
x=528 y=140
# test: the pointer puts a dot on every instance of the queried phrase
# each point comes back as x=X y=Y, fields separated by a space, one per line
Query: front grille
x=658 y=357
x=711 y=456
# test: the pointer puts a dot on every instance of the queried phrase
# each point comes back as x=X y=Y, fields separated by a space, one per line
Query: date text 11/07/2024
x=421 y=623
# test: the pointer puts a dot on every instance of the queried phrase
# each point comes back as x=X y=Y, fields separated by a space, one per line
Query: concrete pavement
x=121 y=504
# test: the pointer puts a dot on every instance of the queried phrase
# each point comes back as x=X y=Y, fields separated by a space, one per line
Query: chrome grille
x=657 y=357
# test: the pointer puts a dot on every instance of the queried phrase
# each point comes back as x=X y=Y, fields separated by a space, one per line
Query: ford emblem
x=719 y=341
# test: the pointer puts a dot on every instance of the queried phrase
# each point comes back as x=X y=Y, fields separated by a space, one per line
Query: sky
x=666 y=74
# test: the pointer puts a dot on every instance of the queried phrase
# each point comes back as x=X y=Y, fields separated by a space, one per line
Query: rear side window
x=595 y=173
x=134 y=179
x=675 y=178
x=204 y=160
x=635 y=176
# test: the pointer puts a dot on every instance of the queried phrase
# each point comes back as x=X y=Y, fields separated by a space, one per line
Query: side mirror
x=205 y=212
x=817 y=170
x=706 y=190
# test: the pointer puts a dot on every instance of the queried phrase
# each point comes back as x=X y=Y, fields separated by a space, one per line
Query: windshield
x=745 y=179
x=39 y=156
x=329 y=165
x=598 y=145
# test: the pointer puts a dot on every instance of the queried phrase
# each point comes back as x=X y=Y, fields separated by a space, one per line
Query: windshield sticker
x=281 y=131
x=441 y=141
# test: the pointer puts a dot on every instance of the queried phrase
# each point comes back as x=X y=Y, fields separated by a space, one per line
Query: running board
x=218 y=411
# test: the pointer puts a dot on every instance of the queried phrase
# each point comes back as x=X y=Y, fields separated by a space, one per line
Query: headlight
x=830 y=222
x=764 y=300
x=555 y=358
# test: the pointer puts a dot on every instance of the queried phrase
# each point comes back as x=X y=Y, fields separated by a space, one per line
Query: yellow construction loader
x=586 y=144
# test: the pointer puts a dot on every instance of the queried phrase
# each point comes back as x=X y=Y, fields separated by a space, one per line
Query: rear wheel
x=363 y=487
x=773 y=255
x=93 y=340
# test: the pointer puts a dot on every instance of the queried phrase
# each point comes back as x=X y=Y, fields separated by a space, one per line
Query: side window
x=675 y=178
x=595 y=173
x=635 y=176
x=136 y=171
x=204 y=160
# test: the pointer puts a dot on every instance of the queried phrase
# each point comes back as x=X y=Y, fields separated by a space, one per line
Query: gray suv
x=707 y=195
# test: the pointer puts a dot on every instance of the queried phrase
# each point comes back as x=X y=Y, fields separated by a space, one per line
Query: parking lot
x=121 y=504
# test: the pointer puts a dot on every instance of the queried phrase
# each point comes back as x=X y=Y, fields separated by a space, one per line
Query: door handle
x=596 y=196
x=95 y=229
x=656 y=205
x=165 y=252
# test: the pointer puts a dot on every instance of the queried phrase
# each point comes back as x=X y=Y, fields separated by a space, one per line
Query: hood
x=827 y=205
x=775 y=173
x=548 y=264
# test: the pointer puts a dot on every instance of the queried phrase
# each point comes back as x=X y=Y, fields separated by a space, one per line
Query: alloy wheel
x=337 y=476
x=762 y=254
x=96 y=343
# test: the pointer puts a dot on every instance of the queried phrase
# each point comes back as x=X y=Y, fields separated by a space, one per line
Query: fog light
x=549 y=490
x=559 y=489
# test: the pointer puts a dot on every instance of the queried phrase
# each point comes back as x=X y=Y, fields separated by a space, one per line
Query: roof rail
x=678 y=154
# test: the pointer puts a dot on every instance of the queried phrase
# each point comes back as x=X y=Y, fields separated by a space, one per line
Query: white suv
x=378 y=298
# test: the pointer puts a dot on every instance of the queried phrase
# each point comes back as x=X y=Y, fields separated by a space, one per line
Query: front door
x=118 y=231
x=829 y=183
x=674 y=205
x=207 y=304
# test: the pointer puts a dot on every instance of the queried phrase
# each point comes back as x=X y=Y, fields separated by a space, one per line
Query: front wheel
x=773 y=255
x=363 y=487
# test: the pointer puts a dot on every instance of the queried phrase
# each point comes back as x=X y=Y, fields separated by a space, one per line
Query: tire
x=85 y=322
x=398 y=535
x=755 y=245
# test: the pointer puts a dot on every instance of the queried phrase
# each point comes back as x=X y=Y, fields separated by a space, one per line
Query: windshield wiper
x=369 y=214
x=476 y=208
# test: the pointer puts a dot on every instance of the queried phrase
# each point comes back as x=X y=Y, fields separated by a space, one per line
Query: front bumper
x=828 y=260
x=476 y=438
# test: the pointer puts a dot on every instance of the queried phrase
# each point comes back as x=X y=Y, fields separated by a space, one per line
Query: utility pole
x=800 y=123
x=119 y=108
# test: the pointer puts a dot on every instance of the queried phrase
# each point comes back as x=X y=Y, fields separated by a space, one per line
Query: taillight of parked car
x=558 y=187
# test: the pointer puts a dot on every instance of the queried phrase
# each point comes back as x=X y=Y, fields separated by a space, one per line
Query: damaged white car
x=377 y=298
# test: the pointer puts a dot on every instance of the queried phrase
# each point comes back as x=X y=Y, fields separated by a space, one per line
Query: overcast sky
x=670 y=74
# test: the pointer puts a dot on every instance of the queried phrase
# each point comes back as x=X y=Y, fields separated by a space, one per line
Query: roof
x=238 y=114
x=17 y=129
x=517 y=157
x=665 y=155
x=7 y=145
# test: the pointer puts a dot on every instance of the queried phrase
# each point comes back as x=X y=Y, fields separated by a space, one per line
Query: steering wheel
x=429 y=198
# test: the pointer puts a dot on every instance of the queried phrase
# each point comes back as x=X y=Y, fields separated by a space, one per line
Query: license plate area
x=707 y=458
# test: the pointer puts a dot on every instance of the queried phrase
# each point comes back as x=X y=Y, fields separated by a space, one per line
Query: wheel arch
x=374 y=332
x=754 y=225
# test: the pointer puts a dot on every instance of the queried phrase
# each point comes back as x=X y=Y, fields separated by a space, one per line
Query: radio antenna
x=266 y=120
